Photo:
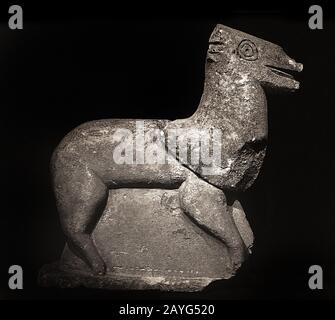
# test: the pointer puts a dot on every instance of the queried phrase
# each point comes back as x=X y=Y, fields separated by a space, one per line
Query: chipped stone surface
x=52 y=275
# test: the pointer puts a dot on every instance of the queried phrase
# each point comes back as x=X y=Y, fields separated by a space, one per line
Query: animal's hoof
x=99 y=268
x=238 y=256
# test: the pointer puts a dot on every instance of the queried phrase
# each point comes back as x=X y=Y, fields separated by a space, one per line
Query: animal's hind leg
x=207 y=206
x=81 y=197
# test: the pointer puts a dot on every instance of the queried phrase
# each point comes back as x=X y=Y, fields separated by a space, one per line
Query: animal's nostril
x=295 y=65
x=300 y=67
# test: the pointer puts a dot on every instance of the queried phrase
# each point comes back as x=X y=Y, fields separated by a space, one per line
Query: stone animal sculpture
x=238 y=67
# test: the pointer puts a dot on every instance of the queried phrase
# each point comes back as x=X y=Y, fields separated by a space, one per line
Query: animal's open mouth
x=280 y=72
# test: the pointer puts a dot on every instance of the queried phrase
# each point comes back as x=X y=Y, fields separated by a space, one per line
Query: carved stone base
x=52 y=275
x=147 y=242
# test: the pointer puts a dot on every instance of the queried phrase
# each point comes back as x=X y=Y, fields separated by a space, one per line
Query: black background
x=71 y=65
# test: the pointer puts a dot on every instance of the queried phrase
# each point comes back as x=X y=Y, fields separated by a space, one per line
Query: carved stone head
x=251 y=58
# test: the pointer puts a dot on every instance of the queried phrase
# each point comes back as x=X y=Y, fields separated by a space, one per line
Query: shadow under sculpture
x=132 y=223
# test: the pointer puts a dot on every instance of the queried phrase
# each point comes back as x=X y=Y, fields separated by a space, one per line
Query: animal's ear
x=220 y=34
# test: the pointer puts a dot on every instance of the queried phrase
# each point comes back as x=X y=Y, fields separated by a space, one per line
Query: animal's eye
x=247 y=50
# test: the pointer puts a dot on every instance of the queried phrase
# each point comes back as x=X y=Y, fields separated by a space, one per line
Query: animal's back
x=96 y=146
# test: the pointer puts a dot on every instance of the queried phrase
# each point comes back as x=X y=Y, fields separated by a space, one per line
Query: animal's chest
x=226 y=151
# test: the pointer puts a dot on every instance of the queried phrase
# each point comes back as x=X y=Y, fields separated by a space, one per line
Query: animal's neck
x=233 y=103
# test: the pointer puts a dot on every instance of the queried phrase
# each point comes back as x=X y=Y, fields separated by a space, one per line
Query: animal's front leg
x=206 y=205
